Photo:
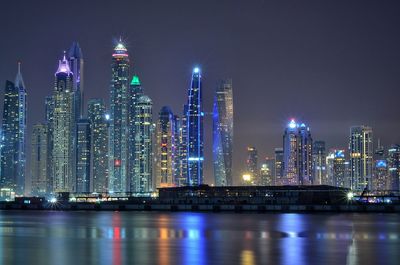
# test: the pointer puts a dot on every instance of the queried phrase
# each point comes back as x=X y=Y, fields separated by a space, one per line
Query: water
x=34 y=237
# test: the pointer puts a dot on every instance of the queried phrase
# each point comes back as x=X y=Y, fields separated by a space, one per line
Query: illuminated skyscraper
x=40 y=177
x=166 y=149
x=142 y=180
x=279 y=166
x=99 y=144
x=319 y=163
x=183 y=162
x=339 y=169
x=83 y=156
x=297 y=149
x=118 y=143
x=223 y=134
x=361 y=157
x=195 y=143
x=267 y=172
x=75 y=59
x=49 y=117
x=393 y=160
x=12 y=166
x=63 y=129
x=252 y=164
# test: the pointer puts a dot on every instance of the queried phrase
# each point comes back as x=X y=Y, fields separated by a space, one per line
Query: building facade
x=13 y=142
x=319 y=163
x=252 y=165
x=361 y=157
x=267 y=172
x=40 y=178
x=83 y=156
x=195 y=144
x=393 y=161
x=223 y=133
x=279 y=166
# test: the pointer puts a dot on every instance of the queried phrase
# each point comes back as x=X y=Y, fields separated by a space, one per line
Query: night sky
x=331 y=64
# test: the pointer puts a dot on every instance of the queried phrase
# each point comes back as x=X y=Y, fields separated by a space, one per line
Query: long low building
x=280 y=195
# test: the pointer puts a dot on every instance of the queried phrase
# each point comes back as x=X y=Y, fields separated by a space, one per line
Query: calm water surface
x=197 y=238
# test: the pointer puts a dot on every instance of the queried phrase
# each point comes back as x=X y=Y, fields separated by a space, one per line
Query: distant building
x=279 y=166
x=99 y=145
x=40 y=178
x=393 y=161
x=319 y=163
x=13 y=141
x=118 y=141
x=166 y=149
x=339 y=169
x=195 y=144
x=83 y=156
x=297 y=149
x=63 y=129
x=252 y=164
x=223 y=134
x=361 y=157
x=142 y=181
x=381 y=176
x=267 y=172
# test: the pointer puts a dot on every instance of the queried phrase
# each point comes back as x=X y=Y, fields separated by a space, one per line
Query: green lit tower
x=118 y=143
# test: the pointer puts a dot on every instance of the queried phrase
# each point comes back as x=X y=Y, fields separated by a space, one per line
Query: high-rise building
x=75 y=59
x=49 y=120
x=339 y=169
x=267 y=172
x=380 y=181
x=223 y=133
x=135 y=92
x=195 y=143
x=166 y=149
x=393 y=161
x=63 y=130
x=142 y=181
x=297 y=149
x=83 y=156
x=183 y=149
x=99 y=144
x=40 y=178
x=252 y=164
x=361 y=157
x=319 y=163
x=279 y=166
x=12 y=164
x=118 y=143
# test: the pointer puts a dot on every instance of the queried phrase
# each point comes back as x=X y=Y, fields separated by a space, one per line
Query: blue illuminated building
x=195 y=144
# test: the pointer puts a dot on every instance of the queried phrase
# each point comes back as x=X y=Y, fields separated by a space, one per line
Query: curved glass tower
x=195 y=144
x=119 y=120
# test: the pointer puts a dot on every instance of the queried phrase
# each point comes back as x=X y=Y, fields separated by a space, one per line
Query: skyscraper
x=118 y=143
x=319 y=163
x=142 y=181
x=183 y=149
x=361 y=157
x=267 y=172
x=99 y=144
x=49 y=120
x=166 y=149
x=223 y=134
x=339 y=169
x=279 y=166
x=394 y=167
x=252 y=164
x=83 y=156
x=40 y=178
x=63 y=129
x=12 y=167
x=297 y=148
x=195 y=143
x=75 y=59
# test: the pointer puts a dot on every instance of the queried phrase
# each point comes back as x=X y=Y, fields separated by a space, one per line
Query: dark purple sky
x=331 y=64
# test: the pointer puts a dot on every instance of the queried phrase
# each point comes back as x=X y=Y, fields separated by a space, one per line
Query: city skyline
x=263 y=124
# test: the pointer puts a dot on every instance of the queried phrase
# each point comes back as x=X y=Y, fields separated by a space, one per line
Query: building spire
x=19 y=82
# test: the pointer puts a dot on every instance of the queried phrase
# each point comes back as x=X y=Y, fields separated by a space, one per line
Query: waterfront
x=52 y=237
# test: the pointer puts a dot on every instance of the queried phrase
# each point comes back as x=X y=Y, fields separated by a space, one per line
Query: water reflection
x=196 y=238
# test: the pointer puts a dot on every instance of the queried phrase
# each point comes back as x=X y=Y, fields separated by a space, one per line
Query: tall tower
x=195 y=144
x=83 y=144
x=99 y=145
x=118 y=142
x=75 y=59
x=166 y=148
x=183 y=144
x=63 y=129
x=39 y=158
x=297 y=148
x=361 y=157
x=13 y=140
x=142 y=181
x=223 y=134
